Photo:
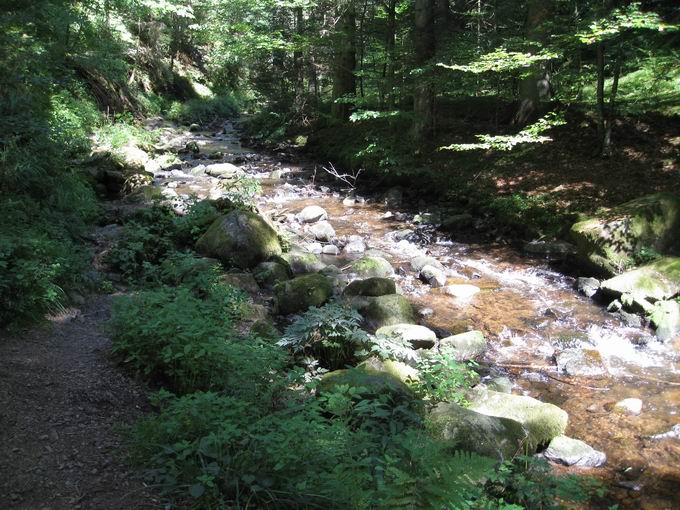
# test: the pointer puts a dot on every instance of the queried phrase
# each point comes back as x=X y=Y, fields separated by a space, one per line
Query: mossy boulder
x=371 y=287
x=268 y=274
x=656 y=281
x=468 y=430
x=607 y=243
x=401 y=371
x=388 y=310
x=241 y=238
x=375 y=380
x=419 y=337
x=542 y=421
x=665 y=317
x=464 y=346
x=303 y=262
x=298 y=294
x=372 y=267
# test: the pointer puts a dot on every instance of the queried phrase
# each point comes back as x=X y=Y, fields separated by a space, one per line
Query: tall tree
x=344 y=60
x=424 y=92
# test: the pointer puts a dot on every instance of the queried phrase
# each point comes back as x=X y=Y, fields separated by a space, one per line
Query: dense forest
x=339 y=254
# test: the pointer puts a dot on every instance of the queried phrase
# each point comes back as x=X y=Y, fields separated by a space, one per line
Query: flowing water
x=526 y=309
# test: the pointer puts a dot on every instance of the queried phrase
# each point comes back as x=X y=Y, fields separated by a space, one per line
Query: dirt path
x=61 y=401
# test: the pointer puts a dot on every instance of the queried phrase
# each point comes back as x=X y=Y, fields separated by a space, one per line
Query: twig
x=349 y=179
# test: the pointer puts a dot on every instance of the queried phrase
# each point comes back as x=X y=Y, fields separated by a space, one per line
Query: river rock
x=368 y=267
x=268 y=274
x=572 y=452
x=432 y=276
x=314 y=247
x=311 y=214
x=657 y=281
x=371 y=287
x=461 y=290
x=465 y=429
x=631 y=406
x=243 y=281
x=673 y=433
x=355 y=245
x=580 y=363
x=464 y=346
x=401 y=371
x=330 y=249
x=242 y=238
x=387 y=311
x=374 y=381
x=322 y=231
x=501 y=384
x=420 y=261
x=665 y=317
x=608 y=242
x=419 y=337
x=224 y=171
x=298 y=294
x=553 y=250
x=588 y=286
x=542 y=421
x=301 y=262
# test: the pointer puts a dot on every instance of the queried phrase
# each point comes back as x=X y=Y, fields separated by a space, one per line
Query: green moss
x=300 y=293
x=372 y=267
x=371 y=287
x=389 y=310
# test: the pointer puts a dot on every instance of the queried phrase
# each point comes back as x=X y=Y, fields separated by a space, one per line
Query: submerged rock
x=371 y=287
x=303 y=292
x=419 y=337
x=312 y=214
x=468 y=430
x=387 y=311
x=370 y=266
x=631 y=406
x=461 y=290
x=580 y=362
x=573 y=452
x=608 y=242
x=464 y=346
x=542 y=421
x=241 y=238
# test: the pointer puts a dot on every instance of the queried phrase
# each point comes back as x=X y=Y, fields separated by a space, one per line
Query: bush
x=203 y=110
x=331 y=334
x=172 y=335
x=200 y=215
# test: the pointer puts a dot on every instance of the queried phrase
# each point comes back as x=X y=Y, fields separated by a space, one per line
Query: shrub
x=203 y=110
x=443 y=379
x=330 y=333
x=171 y=334
x=200 y=215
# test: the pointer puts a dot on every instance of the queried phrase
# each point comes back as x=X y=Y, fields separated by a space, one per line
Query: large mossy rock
x=374 y=379
x=665 y=318
x=656 y=281
x=387 y=311
x=241 y=238
x=303 y=292
x=607 y=243
x=372 y=267
x=373 y=287
x=302 y=262
x=419 y=337
x=268 y=274
x=468 y=430
x=118 y=172
x=464 y=346
x=542 y=421
x=401 y=371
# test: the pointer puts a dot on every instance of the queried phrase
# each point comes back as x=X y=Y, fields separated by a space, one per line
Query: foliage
x=331 y=333
x=199 y=215
x=146 y=241
x=502 y=60
x=203 y=110
x=521 y=211
x=125 y=132
x=443 y=379
x=189 y=342
x=241 y=192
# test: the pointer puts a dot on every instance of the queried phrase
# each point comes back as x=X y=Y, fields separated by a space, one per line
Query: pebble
x=632 y=406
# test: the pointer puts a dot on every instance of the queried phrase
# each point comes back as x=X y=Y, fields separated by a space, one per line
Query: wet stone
x=580 y=362
x=631 y=406
x=573 y=452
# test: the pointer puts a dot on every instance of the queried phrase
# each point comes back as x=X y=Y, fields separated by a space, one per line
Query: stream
x=525 y=308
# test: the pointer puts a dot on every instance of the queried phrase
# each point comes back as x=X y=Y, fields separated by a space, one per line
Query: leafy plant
x=199 y=216
x=241 y=192
x=330 y=333
x=443 y=379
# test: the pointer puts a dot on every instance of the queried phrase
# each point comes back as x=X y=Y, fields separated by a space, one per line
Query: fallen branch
x=349 y=179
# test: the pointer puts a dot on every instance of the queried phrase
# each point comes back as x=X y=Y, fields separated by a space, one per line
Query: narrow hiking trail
x=63 y=398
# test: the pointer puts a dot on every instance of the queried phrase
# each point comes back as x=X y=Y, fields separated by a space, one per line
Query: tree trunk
x=609 y=114
x=298 y=61
x=600 y=94
x=390 y=45
x=344 y=80
x=424 y=94
x=534 y=88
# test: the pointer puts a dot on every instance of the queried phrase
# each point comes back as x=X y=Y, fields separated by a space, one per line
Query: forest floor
x=63 y=401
